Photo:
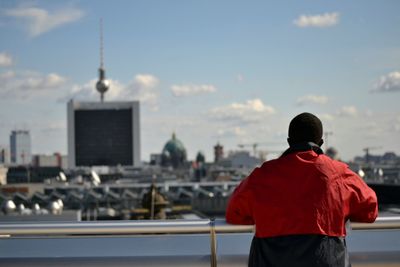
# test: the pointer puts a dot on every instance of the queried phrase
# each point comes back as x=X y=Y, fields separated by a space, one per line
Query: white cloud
x=5 y=76
x=253 y=110
x=5 y=60
x=53 y=80
x=53 y=126
x=240 y=78
x=142 y=88
x=231 y=132
x=27 y=83
x=369 y=113
x=388 y=83
x=326 y=117
x=253 y=105
x=146 y=81
x=39 y=21
x=312 y=99
x=40 y=82
x=396 y=124
x=371 y=129
x=348 y=111
x=192 y=89
x=320 y=21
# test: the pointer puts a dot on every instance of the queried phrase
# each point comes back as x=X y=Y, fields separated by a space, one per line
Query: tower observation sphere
x=102 y=84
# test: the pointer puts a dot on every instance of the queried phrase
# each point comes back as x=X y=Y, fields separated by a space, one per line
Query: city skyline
x=228 y=72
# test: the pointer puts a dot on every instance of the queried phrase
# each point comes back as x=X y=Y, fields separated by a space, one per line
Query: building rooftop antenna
x=102 y=84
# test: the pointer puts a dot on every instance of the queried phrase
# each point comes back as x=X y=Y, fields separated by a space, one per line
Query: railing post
x=213 y=244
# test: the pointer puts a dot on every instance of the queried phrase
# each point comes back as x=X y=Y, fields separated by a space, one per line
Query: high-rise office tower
x=20 y=147
x=103 y=134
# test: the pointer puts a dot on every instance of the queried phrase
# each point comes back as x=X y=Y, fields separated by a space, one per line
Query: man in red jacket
x=300 y=203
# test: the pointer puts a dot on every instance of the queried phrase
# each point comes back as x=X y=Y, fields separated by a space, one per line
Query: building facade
x=103 y=134
x=20 y=147
x=55 y=160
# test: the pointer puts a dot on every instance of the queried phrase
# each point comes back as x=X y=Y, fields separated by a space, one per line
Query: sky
x=233 y=72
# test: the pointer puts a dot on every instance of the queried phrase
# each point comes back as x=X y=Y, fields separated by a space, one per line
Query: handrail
x=213 y=244
x=152 y=227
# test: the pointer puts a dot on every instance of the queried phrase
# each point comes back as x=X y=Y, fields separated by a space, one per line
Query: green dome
x=174 y=152
x=200 y=157
x=174 y=145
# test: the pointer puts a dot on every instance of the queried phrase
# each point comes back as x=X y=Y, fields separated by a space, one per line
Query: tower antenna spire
x=101 y=45
x=102 y=84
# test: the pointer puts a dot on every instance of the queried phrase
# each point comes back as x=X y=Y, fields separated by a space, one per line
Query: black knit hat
x=305 y=127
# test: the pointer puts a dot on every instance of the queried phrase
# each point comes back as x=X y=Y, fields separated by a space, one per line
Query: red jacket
x=302 y=193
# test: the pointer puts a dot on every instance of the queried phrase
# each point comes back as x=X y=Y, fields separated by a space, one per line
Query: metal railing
x=153 y=227
x=160 y=243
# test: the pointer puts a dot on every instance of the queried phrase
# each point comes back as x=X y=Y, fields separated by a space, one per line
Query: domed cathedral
x=173 y=153
x=200 y=158
x=199 y=166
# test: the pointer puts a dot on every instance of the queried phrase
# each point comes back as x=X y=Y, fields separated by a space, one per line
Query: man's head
x=305 y=127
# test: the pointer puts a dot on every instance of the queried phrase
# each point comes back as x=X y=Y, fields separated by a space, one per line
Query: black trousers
x=299 y=251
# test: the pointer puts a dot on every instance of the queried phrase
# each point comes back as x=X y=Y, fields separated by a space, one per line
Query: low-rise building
x=55 y=160
x=3 y=175
x=240 y=159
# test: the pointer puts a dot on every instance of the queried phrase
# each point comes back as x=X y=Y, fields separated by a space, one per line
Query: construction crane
x=367 y=149
x=250 y=145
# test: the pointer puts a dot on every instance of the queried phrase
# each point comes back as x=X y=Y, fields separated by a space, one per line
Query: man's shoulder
x=326 y=159
x=271 y=163
x=333 y=166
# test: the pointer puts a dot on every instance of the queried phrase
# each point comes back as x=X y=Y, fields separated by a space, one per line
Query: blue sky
x=229 y=71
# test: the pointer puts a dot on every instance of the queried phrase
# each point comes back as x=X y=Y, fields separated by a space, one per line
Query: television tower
x=102 y=84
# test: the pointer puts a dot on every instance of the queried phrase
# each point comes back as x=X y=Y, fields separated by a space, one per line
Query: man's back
x=299 y=203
